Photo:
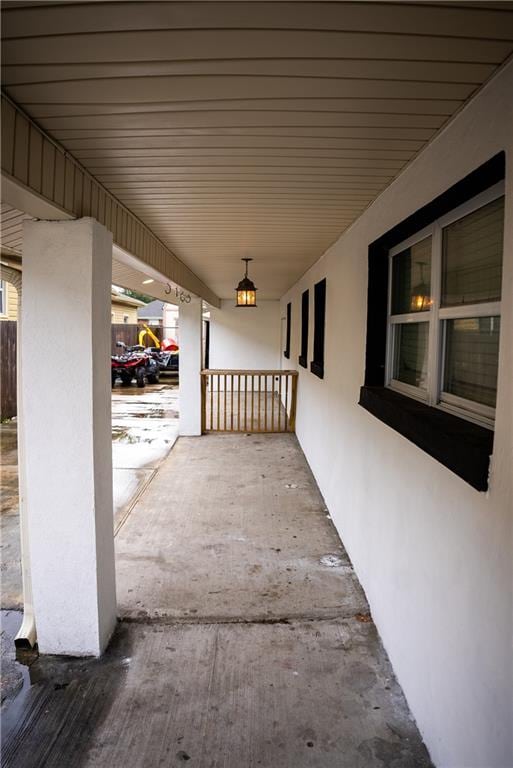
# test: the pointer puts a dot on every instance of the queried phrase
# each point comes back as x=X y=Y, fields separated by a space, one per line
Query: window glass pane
x=305 y=316
x=472 y=257
x=471 y=357
x=410 y=353
x=411 y=279
x=286 y=351
x=317 y=364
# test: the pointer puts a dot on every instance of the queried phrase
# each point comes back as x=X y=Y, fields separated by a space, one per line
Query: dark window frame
x=206 y=361
x=461 y=446
x=305 y=322
x=317 y=364
x=286 y=351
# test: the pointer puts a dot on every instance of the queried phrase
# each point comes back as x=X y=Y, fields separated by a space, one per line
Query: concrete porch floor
x=233 y=528
x=245 y=637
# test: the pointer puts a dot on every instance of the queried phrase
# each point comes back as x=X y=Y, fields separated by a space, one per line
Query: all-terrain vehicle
x=134 y=363
x=166 y=355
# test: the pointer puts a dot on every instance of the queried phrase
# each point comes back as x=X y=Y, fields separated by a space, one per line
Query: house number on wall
x=184 y=297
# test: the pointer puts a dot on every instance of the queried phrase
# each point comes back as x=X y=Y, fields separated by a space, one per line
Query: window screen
x=471 y=354
x=472 y=257
x=411 y=354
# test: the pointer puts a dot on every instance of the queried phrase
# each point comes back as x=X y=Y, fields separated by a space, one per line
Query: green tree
x=137 y=295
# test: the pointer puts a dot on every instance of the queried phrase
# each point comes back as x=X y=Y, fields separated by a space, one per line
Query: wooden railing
x=248 y=401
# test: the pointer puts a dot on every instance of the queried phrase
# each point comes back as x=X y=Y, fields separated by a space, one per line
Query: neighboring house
x=159 y=314
x=124 y=308
x=8 y=301
x=152 y=313
x=8 y=292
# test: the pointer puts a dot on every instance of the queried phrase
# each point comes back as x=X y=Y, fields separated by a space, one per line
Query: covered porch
x=245 y=637
x=357 y=157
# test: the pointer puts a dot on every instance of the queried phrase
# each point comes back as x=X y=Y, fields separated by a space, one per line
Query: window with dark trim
x=305 y=318
x=317 y=364
x=206 y=342
x=286 y=351
x=444 y=310
x=460 y=444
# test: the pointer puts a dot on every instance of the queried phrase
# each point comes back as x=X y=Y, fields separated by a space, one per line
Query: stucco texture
x=433 y=555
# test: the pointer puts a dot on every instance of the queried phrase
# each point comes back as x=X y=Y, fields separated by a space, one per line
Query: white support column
x=67 y=268
x=190 y=367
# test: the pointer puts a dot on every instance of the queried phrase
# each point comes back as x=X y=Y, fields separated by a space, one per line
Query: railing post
x=203 y=403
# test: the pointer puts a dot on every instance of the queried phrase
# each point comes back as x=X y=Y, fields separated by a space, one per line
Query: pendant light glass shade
x=246 y=291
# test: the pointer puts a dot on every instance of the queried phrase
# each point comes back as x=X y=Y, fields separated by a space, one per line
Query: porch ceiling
x=123 y=274
x=11 y=230
x=235 y=129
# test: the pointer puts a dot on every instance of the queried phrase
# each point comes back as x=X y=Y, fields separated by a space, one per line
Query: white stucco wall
x=245 y=338
x=434 y=555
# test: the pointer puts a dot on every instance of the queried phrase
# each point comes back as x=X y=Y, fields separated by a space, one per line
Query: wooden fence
x=8 y=369
x=120 y=332
x=129 y=333
x=248 y=401
x=124 y=332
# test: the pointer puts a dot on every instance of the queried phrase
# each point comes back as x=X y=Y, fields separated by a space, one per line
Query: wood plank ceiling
x=11 y=230
x=255 y=129
x=11 y=239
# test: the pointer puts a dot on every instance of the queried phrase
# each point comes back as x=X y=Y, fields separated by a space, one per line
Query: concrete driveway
x=144 y=429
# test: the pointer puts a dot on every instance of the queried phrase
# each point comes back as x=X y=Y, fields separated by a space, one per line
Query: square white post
x=66 y=339
x=190 y=367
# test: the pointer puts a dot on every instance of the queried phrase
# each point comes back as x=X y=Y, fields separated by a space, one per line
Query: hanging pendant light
x=246 y=291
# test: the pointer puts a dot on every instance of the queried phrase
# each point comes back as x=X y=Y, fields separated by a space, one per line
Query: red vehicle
x=134 y=363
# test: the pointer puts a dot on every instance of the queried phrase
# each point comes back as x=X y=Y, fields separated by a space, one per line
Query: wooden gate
x=248 y=401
